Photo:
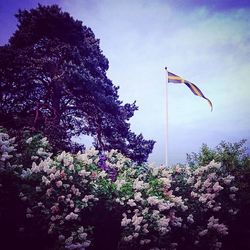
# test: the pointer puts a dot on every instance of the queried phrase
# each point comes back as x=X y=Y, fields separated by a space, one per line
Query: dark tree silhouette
x=53 y=79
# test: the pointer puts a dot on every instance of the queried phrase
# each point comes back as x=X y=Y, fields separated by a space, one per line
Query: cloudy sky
x=206 y=42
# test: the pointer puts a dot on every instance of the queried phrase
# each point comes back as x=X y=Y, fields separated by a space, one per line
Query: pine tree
x=53 y=79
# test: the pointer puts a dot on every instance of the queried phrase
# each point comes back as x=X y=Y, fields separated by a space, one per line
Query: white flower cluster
x=154 y=204
x=7 y=147
x=206 y=185
x=66 y=183
x=157 y=207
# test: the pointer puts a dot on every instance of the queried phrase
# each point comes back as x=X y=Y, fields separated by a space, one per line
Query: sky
x=206 y=42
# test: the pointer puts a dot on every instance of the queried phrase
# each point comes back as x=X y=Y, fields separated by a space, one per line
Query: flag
x=179 y=80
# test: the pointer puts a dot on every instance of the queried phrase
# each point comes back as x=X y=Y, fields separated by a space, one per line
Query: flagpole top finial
x=166 y=68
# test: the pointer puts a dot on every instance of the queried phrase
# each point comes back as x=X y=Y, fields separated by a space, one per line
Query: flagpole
x=166 y=98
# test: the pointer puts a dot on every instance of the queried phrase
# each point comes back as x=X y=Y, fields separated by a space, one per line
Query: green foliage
x=236 y=161
x=230 y=154
x=104 y=188
x=127 y=190
x=156 y=187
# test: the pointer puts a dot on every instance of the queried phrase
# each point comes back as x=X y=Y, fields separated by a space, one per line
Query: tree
x=53 y=80
x=231 y=155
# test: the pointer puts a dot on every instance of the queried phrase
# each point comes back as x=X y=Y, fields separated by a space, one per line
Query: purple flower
x=102 y=163
x=112 y=173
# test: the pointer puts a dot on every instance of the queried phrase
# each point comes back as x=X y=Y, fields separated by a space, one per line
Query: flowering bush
x=148 y=207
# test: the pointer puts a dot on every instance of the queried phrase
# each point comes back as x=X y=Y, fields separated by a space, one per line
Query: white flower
x=52 y=176
x=35 y=168
x=91 y=151
x=38 y=189
x=178 y=200
x=71 y=167
x=39 y=204
x=193 y=194
x=138 y=185
x=163 y=222
x=155 y=213
x=214 y=164
x=86 y=244
x=128 y=238
x=44 y=141
x=145 y=211
x=24 y=198
x=84 y=173
x=214 y=223
x=34 y=157
x=28 y=210
x=155 y=171
x=119 y=183
x=165 y=206
x=29 y=140
x=153 y=200
x=190 y=218
x=190 y=180
x=176 y=221
x=218 y=245
x=26 y=173
x=144 y=242
x=166 y=181
x=131 y=203
x=81 y=230
x=233 y=212
x=227 y=180
x=137 y=196
x=136 y=220
x=207 y=183
x=61 y=237
x=45 y=180
x=203 y=233
x=217 y=187
x=203 y=199
x=83 y=236
x=57 y=174
x=197 y=184
x=125 y=221
x=102 y=174
x=84 y=158
x=216 y=209
x=177 y=169
x=69 y=240
x=41 y=152
x=67 y=161
x=233 y=189
x=61 y=156
x=59 y=184
x=71 y=216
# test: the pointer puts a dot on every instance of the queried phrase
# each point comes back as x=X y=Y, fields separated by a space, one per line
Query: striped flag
x=179 y=80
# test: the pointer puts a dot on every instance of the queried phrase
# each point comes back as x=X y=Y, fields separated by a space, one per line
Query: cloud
x=206 y=42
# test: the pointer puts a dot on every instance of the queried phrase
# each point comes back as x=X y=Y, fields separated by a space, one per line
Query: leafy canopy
x=53 y=80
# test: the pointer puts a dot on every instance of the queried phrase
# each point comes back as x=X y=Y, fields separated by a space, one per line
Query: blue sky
x=206 y=42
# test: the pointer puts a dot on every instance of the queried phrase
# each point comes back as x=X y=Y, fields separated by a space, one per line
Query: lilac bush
x=158 y=207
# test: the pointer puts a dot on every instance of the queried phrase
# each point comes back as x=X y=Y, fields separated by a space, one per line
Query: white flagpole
x=166 y=98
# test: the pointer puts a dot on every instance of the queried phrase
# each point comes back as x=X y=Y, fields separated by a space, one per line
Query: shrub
x=100 y=200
